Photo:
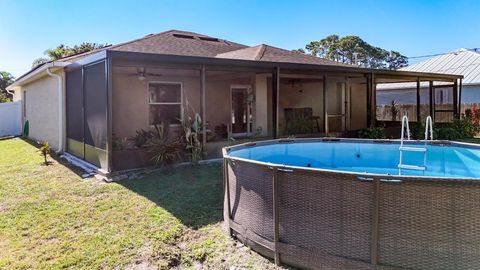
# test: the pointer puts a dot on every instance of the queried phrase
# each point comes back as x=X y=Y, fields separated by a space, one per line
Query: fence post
x=374 y=246
x=276 y=234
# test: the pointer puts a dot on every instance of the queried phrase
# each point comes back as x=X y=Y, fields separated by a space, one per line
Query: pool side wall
x=314 y=218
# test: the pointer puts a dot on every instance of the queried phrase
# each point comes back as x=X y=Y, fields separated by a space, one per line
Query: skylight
x=183 y=36
x=209 y=39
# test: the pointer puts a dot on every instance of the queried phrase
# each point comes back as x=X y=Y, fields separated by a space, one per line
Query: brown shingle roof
x=272 y=54
x=175 y=42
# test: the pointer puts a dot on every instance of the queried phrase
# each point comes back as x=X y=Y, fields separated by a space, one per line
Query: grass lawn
x=51 y=218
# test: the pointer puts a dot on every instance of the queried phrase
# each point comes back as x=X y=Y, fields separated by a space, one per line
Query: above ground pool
x=442 y=159
x=344 y=204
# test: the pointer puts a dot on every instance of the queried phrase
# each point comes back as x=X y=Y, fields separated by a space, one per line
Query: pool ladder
x=406 y=129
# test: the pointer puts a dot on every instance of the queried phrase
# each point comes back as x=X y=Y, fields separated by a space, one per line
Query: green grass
x=51 y=218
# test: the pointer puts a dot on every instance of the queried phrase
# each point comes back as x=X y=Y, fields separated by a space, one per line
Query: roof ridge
x=142 y=38
x=261 y=51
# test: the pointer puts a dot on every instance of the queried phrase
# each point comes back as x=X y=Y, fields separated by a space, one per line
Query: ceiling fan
x=142 y=73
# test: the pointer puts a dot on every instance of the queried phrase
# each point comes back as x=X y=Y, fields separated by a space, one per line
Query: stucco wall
x=358 y=106
x=218 y=102
x=130 y=97
x=306 y=94
x=41 y=110
x=300 y=95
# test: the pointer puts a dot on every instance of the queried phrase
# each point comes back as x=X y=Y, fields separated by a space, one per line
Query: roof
x=272 y=54
x=175 y=42
x=464 y=62
x=192 y=45
x=36 y=73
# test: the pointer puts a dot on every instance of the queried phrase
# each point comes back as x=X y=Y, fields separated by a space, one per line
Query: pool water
x=368 y=157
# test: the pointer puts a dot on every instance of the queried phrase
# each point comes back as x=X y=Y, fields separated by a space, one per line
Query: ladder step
x=412 y=167
x=412 y=149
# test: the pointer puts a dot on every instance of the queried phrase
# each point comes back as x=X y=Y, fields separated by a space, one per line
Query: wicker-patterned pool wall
x=318 y=219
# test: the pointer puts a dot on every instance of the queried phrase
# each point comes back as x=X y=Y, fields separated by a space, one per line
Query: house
x=464 y=62
x=88 y=105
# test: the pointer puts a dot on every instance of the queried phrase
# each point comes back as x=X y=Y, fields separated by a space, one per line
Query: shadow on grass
x=193 y=194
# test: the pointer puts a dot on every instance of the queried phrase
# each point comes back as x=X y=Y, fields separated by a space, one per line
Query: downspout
x=60 y=109
x=11 y=92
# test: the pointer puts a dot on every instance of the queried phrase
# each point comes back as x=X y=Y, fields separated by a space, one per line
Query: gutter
x=34 y=73
x=11 y=92
x=60 y=109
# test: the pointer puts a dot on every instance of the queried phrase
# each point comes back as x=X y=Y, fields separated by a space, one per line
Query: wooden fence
x=384 y=112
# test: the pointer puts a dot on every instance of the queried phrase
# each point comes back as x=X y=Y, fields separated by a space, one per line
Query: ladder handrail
x=428 y=127
x=404 y=125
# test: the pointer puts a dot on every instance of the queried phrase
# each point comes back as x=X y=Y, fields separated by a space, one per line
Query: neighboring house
x=88 y=105
x=464 y=62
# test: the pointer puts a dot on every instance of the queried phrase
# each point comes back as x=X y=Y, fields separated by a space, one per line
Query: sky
x=414 y=28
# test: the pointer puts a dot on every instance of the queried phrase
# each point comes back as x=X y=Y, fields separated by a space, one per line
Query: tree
x=299 y=51
x=39 y=61
x=5 y=80
x=354 y=50
x=62 y=51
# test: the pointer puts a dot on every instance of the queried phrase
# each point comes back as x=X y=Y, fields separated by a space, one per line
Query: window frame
x=166 y=103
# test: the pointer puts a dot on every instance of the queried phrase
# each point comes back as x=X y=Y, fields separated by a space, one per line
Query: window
x=165 y=103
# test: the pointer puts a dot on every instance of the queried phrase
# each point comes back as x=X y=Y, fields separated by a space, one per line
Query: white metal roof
x=464 y=62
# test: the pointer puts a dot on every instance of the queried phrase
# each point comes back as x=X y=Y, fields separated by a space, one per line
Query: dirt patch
x=3 y=208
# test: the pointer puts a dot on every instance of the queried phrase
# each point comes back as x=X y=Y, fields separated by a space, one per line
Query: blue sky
x=28 y=28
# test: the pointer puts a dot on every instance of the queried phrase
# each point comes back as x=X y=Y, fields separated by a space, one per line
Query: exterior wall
x=261 y=99
x=17 y=95
x=41 y=109
x=130 y=98
x=310 y=94
x=300 y=95
x=358 y=106
x=470 y=94
x=218 y=101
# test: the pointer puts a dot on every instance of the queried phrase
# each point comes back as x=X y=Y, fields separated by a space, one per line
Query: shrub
x=141 y=138
x=417 y=130
x=463 y=128
x=44 y=151
x=119 y=143
x=165 y=150
x=372 y=133
x=193 y=131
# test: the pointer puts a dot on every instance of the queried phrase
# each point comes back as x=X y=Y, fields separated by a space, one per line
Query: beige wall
x=218 y=95
x=358 y=115
x=17 y=94
x=300 y=95
x=261 y=101
x=41 y=109
x=308 y=93
x=130 y=97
